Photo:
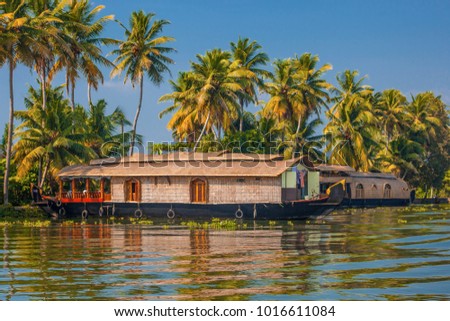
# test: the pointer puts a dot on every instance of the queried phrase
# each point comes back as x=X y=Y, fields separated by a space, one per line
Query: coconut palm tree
x=217 y=89
x=284 y=102
x=50 y=39
x=351 y=132
x=313 y=88
x=390 y=109
x=402 y=156
x=107 y=130
x=82 y=31
x=248 y=56
x=303 y=140
x=184 y=123
x=143 y=53
x=206 y=98
x=423 y=117
x=47 y=136
x=18 y=33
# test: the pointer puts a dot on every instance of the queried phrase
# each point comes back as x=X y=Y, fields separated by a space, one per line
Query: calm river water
x=363 y=254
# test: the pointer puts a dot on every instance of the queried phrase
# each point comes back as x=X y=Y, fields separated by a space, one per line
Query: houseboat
x=187 y=184
x=366 y=189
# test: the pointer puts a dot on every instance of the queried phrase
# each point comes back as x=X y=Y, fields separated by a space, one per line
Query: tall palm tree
x=207 y=96
x=82 y=31
x=184 y=123
x=351 y=132
x=284 y=102
x=17 y=41
x=313 y=88
x=51 y=41
x=249 y=57
x=423 y=117
x=402 y=156
x=107 y=130
x=48 y=135
x=217 y=89
x=303 y=140
x=143 y=53
x=390 y=109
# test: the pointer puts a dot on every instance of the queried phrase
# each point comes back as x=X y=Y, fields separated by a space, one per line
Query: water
x=363 y=254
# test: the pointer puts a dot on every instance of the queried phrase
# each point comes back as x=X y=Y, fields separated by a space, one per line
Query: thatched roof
x=186 y=164
x=334 y=168
x=188 y=156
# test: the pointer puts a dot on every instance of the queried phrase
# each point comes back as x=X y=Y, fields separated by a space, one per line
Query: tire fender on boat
x=138 y=213
x=100 y=211
x=84 y=214
x=58 y=203
x=62 y=211
x=170 y=213
x=239 y=213
x=255 y=212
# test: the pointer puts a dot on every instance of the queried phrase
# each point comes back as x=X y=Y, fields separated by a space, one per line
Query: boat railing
x=85 y=196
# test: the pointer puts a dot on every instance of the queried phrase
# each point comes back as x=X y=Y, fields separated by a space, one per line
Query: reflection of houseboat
x=366 y=189
x=194 y=184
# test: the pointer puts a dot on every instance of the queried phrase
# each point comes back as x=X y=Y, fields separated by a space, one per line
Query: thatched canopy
x=185 y=164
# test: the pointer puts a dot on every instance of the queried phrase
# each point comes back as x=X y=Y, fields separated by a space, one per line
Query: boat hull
x=283 y=211
x=375 y=202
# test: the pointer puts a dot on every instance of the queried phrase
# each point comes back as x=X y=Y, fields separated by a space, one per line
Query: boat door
x=132 y=191
x=198 y=191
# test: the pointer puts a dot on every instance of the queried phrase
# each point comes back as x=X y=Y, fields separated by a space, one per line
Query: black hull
x=374 y=202
x=284 y=211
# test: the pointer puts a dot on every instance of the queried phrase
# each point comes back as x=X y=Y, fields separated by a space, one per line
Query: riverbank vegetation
x=301 y=111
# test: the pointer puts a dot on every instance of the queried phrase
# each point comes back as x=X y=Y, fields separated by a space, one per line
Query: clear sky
x=403 y=44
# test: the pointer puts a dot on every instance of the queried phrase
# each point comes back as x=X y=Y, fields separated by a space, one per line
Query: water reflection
x=394 y=254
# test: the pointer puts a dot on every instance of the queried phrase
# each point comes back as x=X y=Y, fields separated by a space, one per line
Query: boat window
x=198 y=191
x=374 y=187
x=359 y=191
x=387 y=191
x=133 y=190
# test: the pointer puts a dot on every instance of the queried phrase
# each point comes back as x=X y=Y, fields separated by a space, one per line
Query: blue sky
x=397 y=44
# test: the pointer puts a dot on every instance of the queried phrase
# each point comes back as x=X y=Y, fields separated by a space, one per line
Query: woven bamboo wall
x=219 y=189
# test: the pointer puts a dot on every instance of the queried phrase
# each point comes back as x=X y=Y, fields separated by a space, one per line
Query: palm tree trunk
x=241 y=120
x=202 y=132
x=67 y=85
x=10 y=132
x=72 y=95
x=43 y=88
x=299 y=123
x=89 y=93
x=44 y=174
x=138 y=111
x=39 y=178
